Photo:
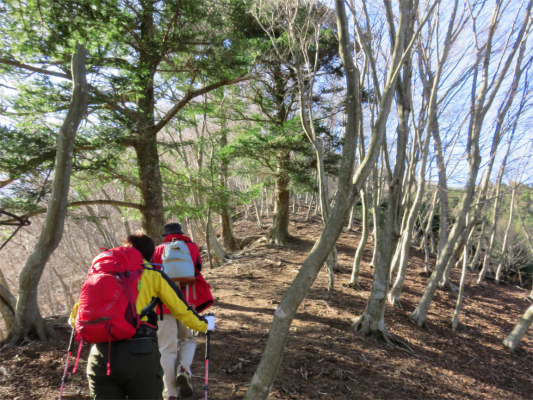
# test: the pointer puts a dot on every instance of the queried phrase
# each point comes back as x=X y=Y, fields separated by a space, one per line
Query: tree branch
x=191 y=95
x=83 y=203
x=27 y=67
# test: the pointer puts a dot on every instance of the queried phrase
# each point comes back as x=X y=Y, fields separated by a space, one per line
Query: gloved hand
x=210 y=323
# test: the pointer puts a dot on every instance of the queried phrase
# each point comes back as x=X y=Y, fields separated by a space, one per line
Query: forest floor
x=324 y=357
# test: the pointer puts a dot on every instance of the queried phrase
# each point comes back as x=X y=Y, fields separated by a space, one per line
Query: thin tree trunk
x=267 y=206
x=351 y=217
x=499 y=270
x=394 y=295
x=376 y=211
x=479 y=245
x=28 y=319
x=488 y=252
x=519 y=330
x=458 y=306
x=8 y=303
x=309 y=209
x=225 y=213
x=354 y=281
x=258 y=213
x=67 y=294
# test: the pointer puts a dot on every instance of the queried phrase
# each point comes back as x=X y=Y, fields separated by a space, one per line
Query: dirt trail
x=324 y=357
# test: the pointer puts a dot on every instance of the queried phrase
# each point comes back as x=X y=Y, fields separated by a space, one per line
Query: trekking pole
x=207 y=349
x=64 y=378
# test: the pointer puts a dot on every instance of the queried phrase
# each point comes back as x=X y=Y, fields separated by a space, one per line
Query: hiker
x=172 y=332
x=129 y=367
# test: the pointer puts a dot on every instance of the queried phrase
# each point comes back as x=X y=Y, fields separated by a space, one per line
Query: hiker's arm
x=172 y=297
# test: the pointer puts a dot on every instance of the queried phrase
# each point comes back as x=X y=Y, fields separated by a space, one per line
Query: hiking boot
x=184 y=383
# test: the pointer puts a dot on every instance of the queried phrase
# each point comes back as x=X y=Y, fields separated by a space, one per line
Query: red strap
x=78 y=356
x=109 y=357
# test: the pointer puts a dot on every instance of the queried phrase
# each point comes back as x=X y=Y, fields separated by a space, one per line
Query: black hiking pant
x=135 y=370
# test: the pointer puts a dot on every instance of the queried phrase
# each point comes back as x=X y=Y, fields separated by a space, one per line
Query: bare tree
x=482 y=99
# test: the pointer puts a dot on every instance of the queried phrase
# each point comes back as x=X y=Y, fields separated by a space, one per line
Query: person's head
x=172 y=228
x=141 y=242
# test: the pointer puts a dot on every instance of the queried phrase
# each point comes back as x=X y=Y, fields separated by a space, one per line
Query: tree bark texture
x=519 y=330
x=372 y=321
x=354 y=281
x=279 y=231
x=500 y=268
x=28 y=319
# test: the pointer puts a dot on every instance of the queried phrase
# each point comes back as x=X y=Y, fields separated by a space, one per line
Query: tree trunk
x=479 y=245
x=28 y=320
x=499 y=270
x=268 y=367
x=279 y=233
x=145 y=145
x=227 y=232
x=258 y=213
x=354 y=281
x=458 y=306
x=372 y=321
x=267 y=206
x=351 y=217
x=394 y=295
x=376 y=211
x=67 y=293
x=225 y=213
x=519 y=330
x=220 y=255
x=488 y=252
x=442 y=187
x=8 y=303
x=309 y=209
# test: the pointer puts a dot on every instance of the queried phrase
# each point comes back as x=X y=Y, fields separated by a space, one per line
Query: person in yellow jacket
x=135 y=363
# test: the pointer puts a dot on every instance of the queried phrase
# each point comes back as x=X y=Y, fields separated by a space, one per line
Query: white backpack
x=178 y=264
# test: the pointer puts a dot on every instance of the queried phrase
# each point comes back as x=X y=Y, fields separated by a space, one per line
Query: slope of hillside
x=324 y=357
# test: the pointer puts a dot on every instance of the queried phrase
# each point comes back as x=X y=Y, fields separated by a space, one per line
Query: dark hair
x=141 y=242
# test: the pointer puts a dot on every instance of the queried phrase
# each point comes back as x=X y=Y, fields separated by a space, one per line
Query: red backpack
x=107 y=300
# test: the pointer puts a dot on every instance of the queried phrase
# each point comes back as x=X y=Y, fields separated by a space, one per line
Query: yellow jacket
x=156 y=284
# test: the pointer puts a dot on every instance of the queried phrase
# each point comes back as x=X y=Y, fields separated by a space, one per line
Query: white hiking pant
x=172 y=332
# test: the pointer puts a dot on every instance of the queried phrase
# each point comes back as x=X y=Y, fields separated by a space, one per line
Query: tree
x=28 y=319
x=349 y=184
x=482 y=96
x=156 y=58
x=519 y=330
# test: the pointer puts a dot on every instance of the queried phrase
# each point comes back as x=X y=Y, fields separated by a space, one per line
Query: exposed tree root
x=353 y=285
x=375 y=331
x=278 y=240
x=449 y=285
x=417 y=319
x=394 y=300
x=37 y=331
